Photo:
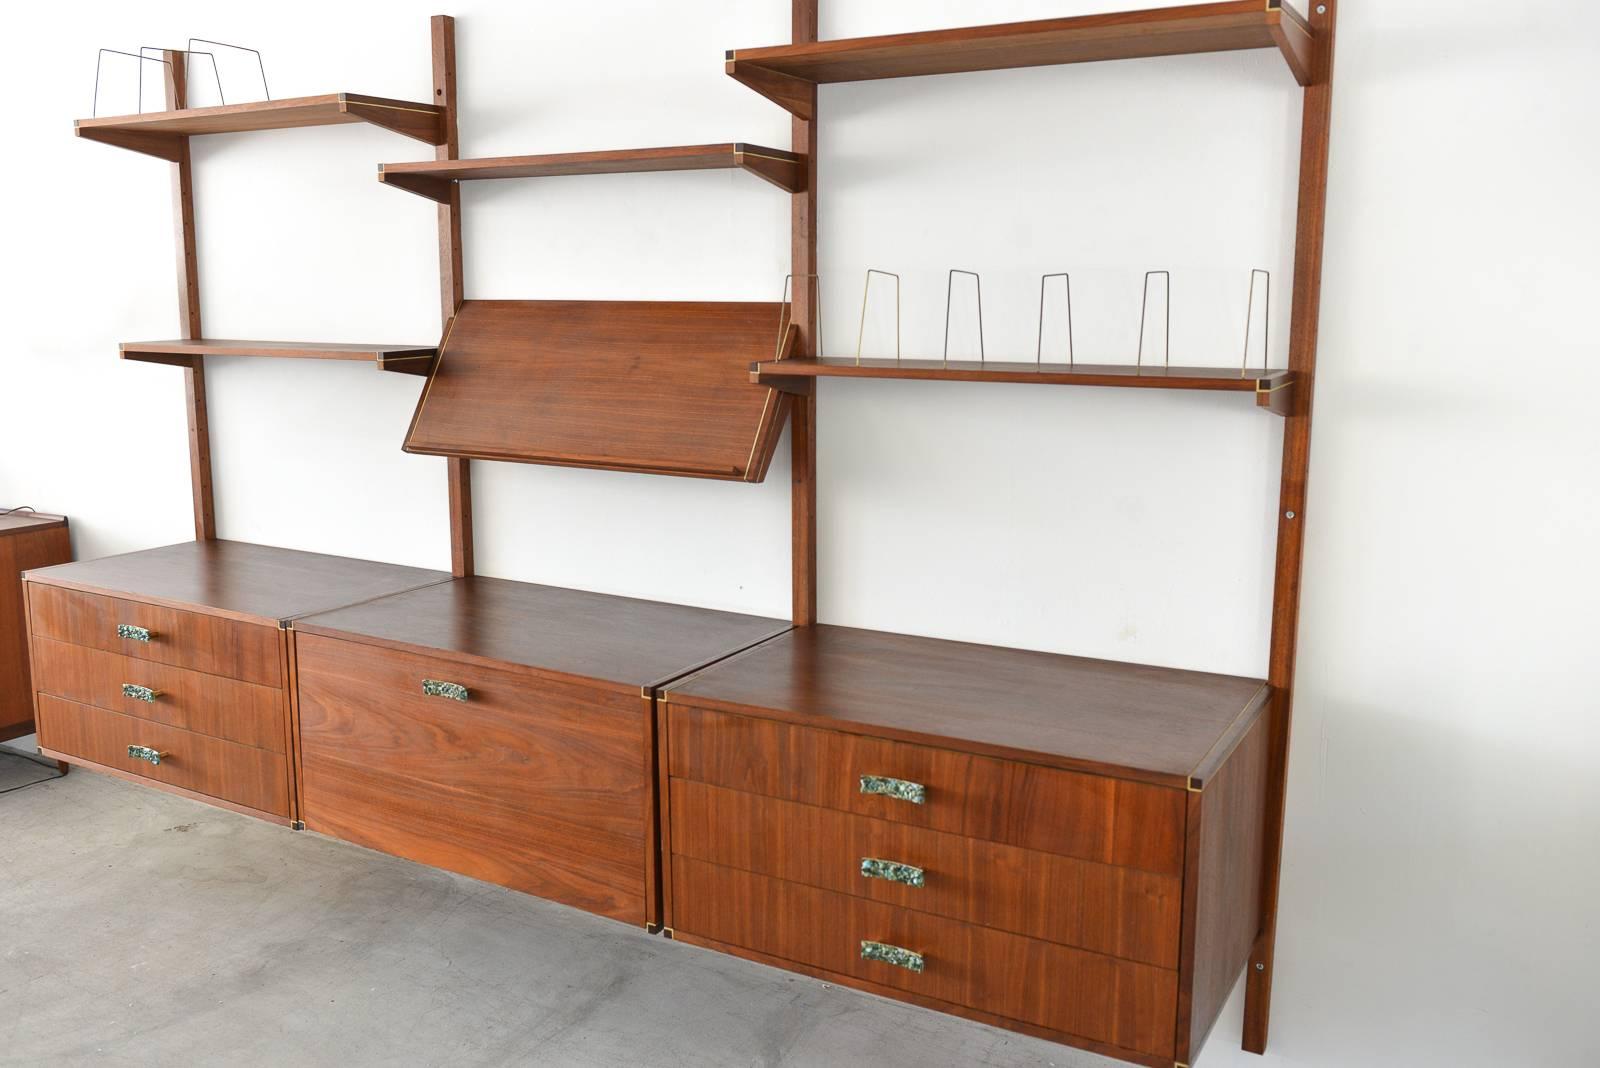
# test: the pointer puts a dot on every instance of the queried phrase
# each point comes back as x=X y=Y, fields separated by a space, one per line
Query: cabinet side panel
x=19 y=553
x=1228 y=879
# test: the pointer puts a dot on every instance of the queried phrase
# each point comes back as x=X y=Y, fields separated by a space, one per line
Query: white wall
x=1441 y=862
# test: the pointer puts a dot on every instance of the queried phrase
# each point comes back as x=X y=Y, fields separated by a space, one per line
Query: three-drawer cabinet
x=171 y=666
x=966 y=828
x=502 y=730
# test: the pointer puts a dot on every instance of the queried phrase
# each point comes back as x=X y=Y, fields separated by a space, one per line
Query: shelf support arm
x=1293 y=37
x=795 y=95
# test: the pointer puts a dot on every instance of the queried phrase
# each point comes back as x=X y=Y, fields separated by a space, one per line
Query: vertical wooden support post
x=803 y=429
x=1314 y=143
x=450 y=287
x=194 y=378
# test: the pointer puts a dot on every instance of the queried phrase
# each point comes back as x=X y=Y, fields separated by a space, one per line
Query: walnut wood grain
x=657 y=387
x=154 y=132
x=781 y=72
x=1153 y=724
x=1090 y=817
x=966 y=1012
x=436 y=180
x=1226 y=379
x=237 y=580
x=221 y=707
x=1304 y=319
x=1222 y=900
x=1103 y=999
x=622 y=643
x=183 y=352
x=530 y=783
x=202 y=489
x=452 y=284
x=247 y=776
x=184 y=639
x=805 y=308
x=1116 y=911
x=27 y=540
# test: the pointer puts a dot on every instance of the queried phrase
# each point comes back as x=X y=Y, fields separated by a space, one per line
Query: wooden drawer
x=242 y=712
x=539 y=785
x=255 y=778
x=1091 y=817
x=1100 y=998
x=1117 y=911
x=235 y=649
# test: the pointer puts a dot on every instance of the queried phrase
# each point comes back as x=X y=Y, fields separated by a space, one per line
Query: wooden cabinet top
x=27 y=522
x=1155 y=724
x=238 y=579
x=552 y=630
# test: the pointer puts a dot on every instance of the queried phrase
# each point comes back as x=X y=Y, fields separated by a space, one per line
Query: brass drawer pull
x=892 y=871
x=453 y=690
x=144 y=752
x=887 y=954
x=899 y=789
x=133 y=633
x=140 y=693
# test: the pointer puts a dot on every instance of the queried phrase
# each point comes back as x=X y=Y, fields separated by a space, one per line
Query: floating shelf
x=406 y=359
x=786 y=73
x=161 y=133
x=1271 y=388
x=432 y=179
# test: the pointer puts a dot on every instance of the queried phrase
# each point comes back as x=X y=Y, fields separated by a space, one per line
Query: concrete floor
x=137 y=928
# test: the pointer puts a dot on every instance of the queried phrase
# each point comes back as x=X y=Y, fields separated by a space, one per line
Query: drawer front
x=241 y=712
x=247 y=651
x=1116 y=911
x=1091 y=817
x=1119 y=1002
x=255 y=778
x=533 y=784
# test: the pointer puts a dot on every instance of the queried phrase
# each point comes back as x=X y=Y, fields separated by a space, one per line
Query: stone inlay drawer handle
x=140 y=693
x=453 y=690
x=899 y=789
x=887 y=954
x=892 y=871
x=144 y=752
x=133 y=633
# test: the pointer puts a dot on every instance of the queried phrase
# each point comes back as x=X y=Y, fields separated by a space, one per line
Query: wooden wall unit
x=183 y=652
x=1078 y=849
x=27 y=540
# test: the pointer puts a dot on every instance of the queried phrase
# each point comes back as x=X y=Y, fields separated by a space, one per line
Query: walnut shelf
x=405 y=359
x=161 y=133
x=433 y=179
x=1271 y=388
x=786 y=74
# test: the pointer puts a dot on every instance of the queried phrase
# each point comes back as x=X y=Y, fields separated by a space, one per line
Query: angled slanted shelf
x=406 y=359
x=1271 y=388
x=786 y=74
x=161 y=133
x=433 y=179
x=651 y=386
